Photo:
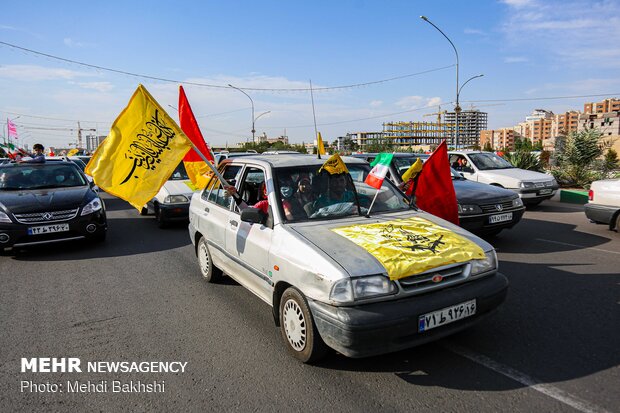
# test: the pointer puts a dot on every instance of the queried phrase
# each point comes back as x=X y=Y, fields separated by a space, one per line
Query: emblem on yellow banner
x=406 y=247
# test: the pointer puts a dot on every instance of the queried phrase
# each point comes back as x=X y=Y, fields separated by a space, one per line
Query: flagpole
x=316 y=133
x=225 y=183
x=371 y=204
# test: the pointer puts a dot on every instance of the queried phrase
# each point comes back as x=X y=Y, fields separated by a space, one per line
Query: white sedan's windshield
x=306 y=194
x=487 y=160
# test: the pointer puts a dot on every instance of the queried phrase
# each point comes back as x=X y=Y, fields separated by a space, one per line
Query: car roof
x=396 y=154
x=286 y=160
x=37 y=164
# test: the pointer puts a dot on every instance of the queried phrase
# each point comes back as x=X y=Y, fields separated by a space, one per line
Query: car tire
x=144 y=211
x=159 y=217
x=210 y=273
x=298 y=329
x=617 y=227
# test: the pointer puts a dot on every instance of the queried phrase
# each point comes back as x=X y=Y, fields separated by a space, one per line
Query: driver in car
x=337 y=192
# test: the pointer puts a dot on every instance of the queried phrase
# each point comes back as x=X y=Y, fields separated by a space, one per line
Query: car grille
x=52 y=216
x=434 y=279
x=497 y=206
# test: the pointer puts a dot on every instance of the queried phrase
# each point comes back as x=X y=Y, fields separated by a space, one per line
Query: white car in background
x=603 y=206
x=489 y=168
x=171 y=203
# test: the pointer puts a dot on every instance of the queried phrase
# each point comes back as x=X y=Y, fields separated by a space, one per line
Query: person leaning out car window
x=37 y=156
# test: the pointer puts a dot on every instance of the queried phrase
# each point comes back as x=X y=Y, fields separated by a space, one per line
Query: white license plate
x=446 y=315
x=494 y=219
x=46 y=229
x=545 y=191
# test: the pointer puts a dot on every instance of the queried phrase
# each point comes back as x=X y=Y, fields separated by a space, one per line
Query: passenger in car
x=262 y=204
x=37 y=156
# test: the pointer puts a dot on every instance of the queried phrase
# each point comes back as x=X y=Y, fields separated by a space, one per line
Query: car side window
x=215 y=193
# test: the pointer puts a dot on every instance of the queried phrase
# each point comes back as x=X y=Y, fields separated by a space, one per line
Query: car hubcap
x=203 y=256
x=294 y=325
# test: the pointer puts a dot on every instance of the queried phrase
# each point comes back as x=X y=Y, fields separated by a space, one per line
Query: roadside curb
x=574 y=196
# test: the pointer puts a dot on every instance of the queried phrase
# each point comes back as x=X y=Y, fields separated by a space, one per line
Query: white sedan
x=344 y=266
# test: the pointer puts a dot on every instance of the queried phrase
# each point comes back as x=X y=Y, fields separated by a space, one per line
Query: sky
x=368 y=62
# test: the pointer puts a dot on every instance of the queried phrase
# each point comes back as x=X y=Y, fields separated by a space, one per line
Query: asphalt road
x=552 y=347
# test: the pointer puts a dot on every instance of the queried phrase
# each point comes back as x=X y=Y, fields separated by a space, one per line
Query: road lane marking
x=547 y=389
x=575 y=245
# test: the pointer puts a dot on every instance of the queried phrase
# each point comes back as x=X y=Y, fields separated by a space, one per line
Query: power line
x=160 y=79
x=541 y=98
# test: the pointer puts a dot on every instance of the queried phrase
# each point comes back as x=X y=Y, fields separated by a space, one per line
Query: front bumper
x=481 y=224
x=384 y=327
x=601 y=213
x=174 y=212
x=536 y=194
x=18 y=233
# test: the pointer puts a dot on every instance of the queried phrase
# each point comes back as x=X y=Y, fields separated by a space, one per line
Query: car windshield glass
x=488 y=160
x=304 y=194
x=456 y=175
x=51 y=175
x=179 y=173
x=402 y=163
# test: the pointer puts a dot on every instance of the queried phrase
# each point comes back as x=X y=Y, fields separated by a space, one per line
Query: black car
x=483 y=209
x=48 y=202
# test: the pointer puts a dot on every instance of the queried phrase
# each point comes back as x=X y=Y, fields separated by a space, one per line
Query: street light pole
x=256 y=118
x=253 y=119
x=459 y=93
x=457 y=108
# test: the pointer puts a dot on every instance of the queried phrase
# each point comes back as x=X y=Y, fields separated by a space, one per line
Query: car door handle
x=233 y=223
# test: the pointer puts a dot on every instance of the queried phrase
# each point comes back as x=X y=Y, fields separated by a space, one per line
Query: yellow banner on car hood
x=411 y=246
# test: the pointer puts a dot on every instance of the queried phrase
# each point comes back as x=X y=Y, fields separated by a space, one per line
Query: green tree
x=610 y=163
x=524 y=159
x=487 y=147
x=576 y=158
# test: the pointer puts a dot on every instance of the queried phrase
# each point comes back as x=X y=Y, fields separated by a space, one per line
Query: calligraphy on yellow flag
x=143 y=148
x=334 y=165
x=411 y=246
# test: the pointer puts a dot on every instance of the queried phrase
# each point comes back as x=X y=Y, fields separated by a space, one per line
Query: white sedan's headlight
x=348 y=290
x=93 y=206
x=488 y=263
x=175 y=199
x=527 y=185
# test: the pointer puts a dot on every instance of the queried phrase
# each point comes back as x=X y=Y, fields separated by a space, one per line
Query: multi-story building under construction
x=417 y=134
x=470 y=123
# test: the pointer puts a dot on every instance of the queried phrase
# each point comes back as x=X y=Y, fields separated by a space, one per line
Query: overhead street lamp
x=256 y=118
x=253 y=118
x=457 y=108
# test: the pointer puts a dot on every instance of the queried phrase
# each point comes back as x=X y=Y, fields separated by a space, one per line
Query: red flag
x=194 y=164
x=434 y=189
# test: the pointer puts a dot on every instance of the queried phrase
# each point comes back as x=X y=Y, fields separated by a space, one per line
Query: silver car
x=326 y=289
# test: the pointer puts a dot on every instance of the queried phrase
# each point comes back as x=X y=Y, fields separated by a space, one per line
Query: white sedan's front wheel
x=298 y=329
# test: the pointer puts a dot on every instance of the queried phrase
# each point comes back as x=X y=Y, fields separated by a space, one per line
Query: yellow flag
x=73 y=152
x=413 y=170
x=411 y=246
x=334 y=165
x=320 y=146
x=143 y=148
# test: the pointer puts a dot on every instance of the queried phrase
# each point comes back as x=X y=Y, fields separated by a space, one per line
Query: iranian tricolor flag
x=380 y=167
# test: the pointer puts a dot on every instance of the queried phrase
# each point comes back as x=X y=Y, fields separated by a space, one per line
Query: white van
x=490 y=168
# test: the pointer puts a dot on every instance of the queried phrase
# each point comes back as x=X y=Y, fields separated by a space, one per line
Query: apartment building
x=605 y=106
x=565 y=123
x=607 y=123
x=537 y=127
x=499 y=138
